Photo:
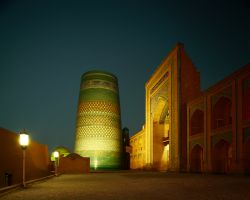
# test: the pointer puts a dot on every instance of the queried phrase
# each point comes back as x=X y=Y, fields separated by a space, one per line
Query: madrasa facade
x=187 y=129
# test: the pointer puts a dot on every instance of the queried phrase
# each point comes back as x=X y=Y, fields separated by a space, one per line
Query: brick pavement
x=136 y=185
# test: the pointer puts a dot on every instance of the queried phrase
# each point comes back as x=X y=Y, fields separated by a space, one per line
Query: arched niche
x=196 y=159
x=222 y=113
x=197 y=122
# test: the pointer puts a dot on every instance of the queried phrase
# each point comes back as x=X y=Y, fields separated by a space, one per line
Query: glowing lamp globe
x=24 y=139
x=56 y=154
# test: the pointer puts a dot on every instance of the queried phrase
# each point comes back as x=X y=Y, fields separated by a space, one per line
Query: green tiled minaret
x=98 y=125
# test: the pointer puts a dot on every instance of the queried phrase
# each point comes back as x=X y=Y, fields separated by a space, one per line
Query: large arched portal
x=161 y=129
x=196 y=158
x=222 y=156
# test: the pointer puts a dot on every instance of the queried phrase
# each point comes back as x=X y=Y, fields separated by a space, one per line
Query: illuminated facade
x=174 y=83
x=190 y=130
x=98 y=126
x=137 y=154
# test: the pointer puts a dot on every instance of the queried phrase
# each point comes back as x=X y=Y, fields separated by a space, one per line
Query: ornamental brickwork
x=190 y=130
x=98 y=125
x=174 y=83
x=222 y=144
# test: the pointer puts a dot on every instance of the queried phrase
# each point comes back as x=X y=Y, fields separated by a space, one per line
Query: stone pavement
x=136 y=185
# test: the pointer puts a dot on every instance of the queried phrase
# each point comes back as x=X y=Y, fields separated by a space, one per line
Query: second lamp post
x=24 y=142
x=56 y=156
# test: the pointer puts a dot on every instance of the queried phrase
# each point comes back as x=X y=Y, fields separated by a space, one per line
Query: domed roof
x=63 y=151
x=73 y=156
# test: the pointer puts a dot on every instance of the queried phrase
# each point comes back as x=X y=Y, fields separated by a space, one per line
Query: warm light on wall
x=96 y=164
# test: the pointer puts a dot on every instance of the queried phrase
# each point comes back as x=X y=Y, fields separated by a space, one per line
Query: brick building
x=190 y=130
x=219 y=126
x=137 y=154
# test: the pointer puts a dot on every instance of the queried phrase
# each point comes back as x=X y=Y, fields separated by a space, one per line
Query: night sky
x=45 y=47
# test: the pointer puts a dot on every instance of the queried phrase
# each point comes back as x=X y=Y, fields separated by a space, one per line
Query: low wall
x=37 y=160
x=73 y=164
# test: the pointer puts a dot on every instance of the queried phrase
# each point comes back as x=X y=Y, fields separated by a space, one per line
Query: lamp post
x=56 y=156
x=24 y=142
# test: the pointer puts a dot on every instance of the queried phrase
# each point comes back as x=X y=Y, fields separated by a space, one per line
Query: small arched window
x=222 y=113
x=197 y=122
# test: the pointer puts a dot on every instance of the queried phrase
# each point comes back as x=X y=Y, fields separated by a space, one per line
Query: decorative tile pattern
x=98 y=124
x=98 y=119
x=162 y=79
x=97 y=131
x=99 y=84
x=101 y=106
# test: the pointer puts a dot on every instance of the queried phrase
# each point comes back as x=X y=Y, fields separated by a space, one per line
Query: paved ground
x=136 y=185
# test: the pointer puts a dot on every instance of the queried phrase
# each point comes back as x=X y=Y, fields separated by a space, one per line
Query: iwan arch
x=165 y=123
x=187 y=129
x=166 y=99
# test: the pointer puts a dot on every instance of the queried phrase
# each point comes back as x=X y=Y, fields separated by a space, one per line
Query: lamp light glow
x=24 y=142
x=96 y=164
x=24 y=139
x=56 y=154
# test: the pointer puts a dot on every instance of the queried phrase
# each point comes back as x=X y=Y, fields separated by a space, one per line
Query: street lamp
x=24 y=142
x=56 y=156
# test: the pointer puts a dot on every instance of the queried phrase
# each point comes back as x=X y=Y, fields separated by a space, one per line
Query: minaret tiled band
x=98 y=125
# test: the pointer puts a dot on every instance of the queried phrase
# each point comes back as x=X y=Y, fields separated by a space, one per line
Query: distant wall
x=73 y=164
x=137 y=150
x=37 y=159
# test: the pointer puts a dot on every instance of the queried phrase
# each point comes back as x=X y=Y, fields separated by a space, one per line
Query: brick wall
x=190 y=89
x=37 y=159
x=74 y=164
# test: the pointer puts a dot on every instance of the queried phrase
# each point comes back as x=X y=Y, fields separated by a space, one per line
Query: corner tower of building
x=98 y=124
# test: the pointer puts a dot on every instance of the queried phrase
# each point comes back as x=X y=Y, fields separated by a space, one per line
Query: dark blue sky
x=45 y=47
